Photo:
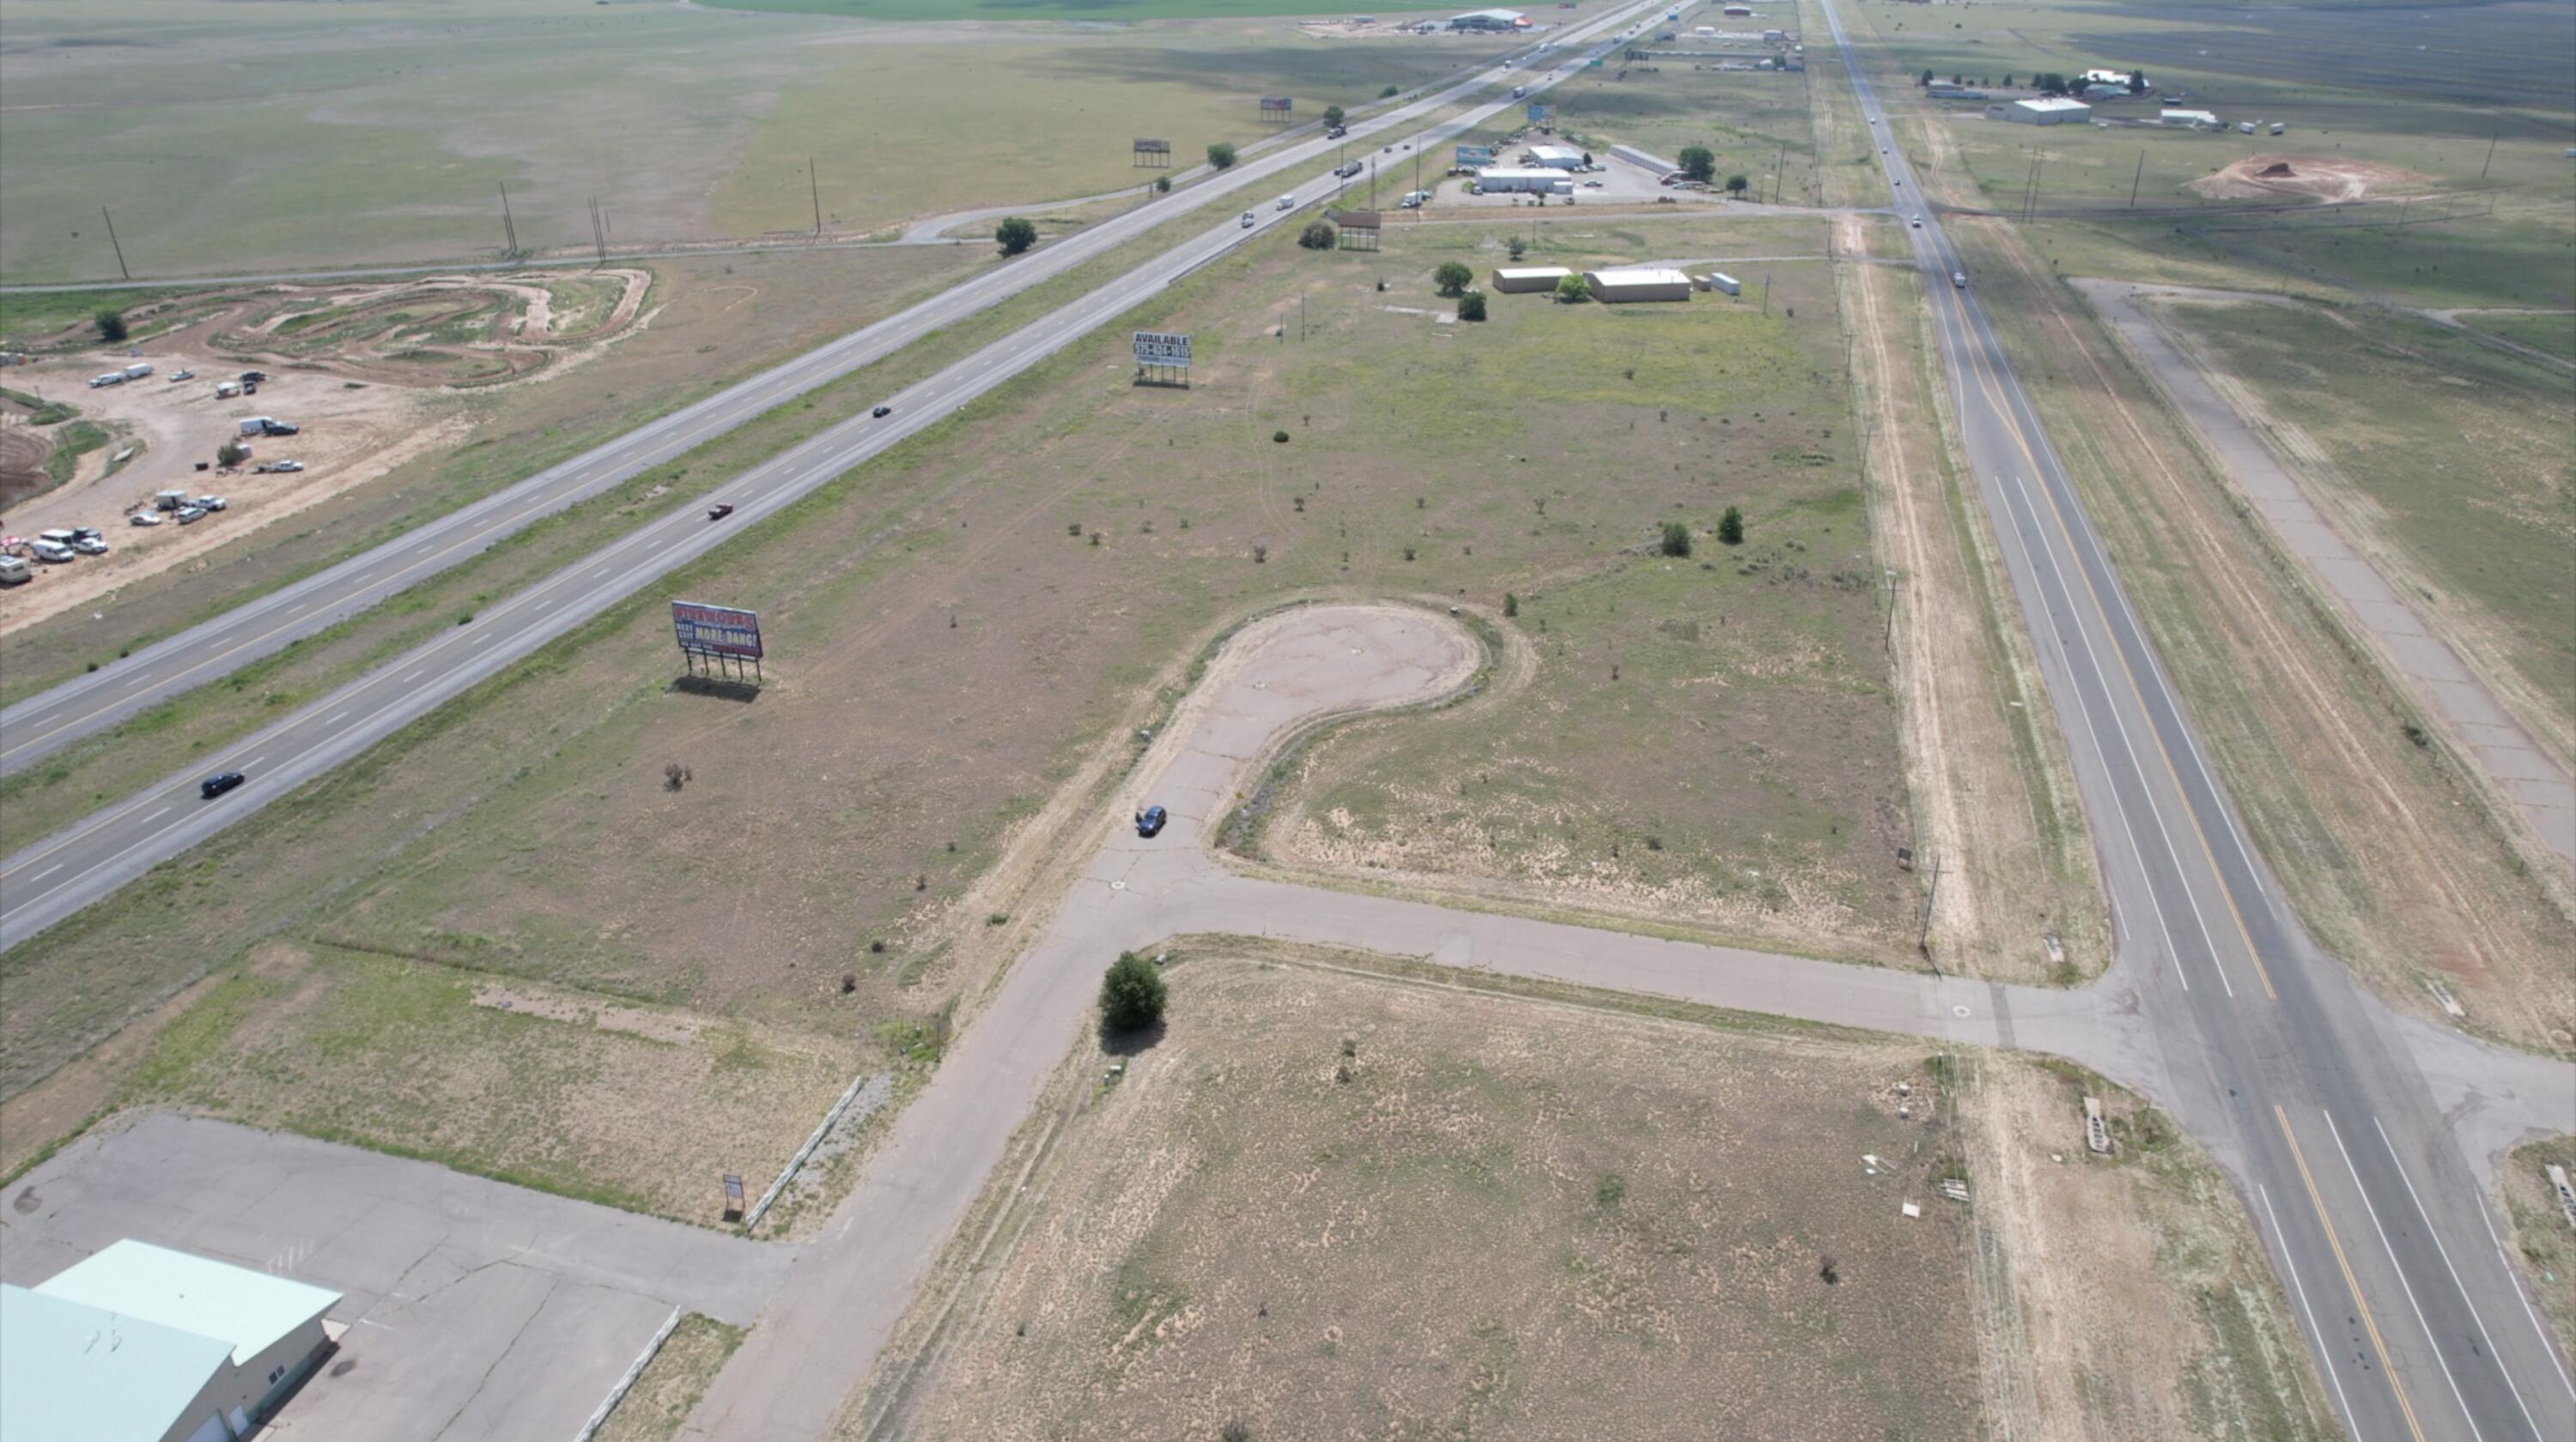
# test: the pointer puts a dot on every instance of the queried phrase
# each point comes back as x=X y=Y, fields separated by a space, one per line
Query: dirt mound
x=2317 y=177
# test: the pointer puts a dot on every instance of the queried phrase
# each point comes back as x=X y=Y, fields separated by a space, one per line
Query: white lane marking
x=301 y=606
x=2483 y=1334
x=336 y=720
x=2182 y=873
x=486 y=636
x=2548 y=1344
x=2333 y=1375
x=254 y=761
x=414 y=676
x=2406 y=1286
x=48 y=871
x=361 y=580
x=155 y=816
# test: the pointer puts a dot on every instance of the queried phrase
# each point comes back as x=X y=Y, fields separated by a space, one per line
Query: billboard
x=1161 y=348
x=1477 y=155
x=705 y=630
x=1537 y=112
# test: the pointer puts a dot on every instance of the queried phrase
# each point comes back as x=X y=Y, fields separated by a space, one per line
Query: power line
x=112 y=241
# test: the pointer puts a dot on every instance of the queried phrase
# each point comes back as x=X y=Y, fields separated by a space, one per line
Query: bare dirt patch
x=2318 y=177
x=2540 y=1229
x=1323 y=1205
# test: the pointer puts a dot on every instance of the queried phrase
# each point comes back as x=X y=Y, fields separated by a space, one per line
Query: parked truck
x=137 y=371
x=264 y=426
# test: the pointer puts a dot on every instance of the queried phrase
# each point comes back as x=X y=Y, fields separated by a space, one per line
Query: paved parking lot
x=474 y=1309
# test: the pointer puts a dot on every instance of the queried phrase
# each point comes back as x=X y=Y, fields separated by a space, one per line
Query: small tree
x=1015 y=235
x=1388 y=93
x=1511 y=605
x=1730 y=527
x=1926 y=80
x=1332 y=116
x=231 y=453
x=1517 y=247
x=1131 y=995
x=1221 y=155
x=1471 y=305
x=1699 y=162
x=111 y=325
x=1453 y=277
x=1676 y=540
x=1318 y=235
x=1573 y=290
x=1736 y=185
x=675 y=776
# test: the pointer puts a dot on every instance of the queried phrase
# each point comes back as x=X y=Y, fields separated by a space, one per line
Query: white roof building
x=1489 y=20
x=1639 y=283
x=1555 y=157
x=2047 y=110
x=2187 y=117
x=1501 y=179
x=1522 y=279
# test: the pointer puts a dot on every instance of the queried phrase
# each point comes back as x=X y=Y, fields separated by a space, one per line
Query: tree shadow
x=1133 y=1042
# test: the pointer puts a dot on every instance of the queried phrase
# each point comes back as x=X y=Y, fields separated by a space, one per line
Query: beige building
x=1518 y=279
x=1639 y=283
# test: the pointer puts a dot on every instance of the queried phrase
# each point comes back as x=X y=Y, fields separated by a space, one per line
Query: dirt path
x=2015 y=907
x=2518 y=768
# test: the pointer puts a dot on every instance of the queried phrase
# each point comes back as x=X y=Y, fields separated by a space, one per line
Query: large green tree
x=1452 y=277
x=1221 y=155
x=1015 y=235
x=1131 y=994
x=1699 y=163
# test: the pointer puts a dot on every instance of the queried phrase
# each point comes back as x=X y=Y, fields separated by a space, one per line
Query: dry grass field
x=1331 y=1203
x=2540 y=1231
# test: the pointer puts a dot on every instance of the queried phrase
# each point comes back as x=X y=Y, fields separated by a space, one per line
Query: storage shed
x=1521 y=279
x=1639 y=283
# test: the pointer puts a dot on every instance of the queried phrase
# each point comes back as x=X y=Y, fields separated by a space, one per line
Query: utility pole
x=1766 y=292
x=2030 y=211
x=598 y=231
x=1779 y=173
x=509 y=227
x=1931 y=895
x=814 y=186
x=2141 y=174
x=113 y=242
x=2490 y=160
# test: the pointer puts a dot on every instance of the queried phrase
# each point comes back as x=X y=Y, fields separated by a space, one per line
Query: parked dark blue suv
x=1150 y=820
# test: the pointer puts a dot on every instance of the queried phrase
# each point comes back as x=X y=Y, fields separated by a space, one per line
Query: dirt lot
x=368 y=372
x=1326 y=1203
x=2324 y=177
x=1322 y=1206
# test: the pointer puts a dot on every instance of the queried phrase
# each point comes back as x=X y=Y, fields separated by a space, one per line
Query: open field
x=1326 y=1202
x=2539 y=1228
x=2549 y=334
x=649 y=1106
x=528 y=831
x=1660 y=106
x=673 y=1381
x=226 y=137
x=2450 y=458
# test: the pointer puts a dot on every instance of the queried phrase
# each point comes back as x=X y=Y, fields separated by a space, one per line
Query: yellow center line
x=1988 y=382
x=2386 y=1368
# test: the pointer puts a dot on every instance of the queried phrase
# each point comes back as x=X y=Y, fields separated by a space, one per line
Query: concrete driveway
x=474 y=1309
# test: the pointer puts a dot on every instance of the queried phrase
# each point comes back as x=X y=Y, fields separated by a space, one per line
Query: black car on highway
x=219 y=783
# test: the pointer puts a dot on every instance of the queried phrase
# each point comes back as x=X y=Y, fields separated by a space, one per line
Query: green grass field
x=242 y=137
x=2464 y=452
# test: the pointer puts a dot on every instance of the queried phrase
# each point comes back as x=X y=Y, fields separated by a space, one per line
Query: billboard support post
x=724 y=640
x=1162 y=358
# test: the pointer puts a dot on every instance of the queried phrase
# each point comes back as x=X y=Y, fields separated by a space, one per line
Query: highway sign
x=1161 y=348
x=1475 y=155
x=704 y=630
x=1537 y=112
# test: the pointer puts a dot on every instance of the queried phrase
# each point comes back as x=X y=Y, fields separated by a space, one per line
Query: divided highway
x=55 y=877
x=37 y=726
x=2271 y=1054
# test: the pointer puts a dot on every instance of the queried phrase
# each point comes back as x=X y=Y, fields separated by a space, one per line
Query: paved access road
x=50 y=879
x=2270 y=1052
x=40 y=724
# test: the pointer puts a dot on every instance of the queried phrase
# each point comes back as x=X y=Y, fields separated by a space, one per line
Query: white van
x=1287 y=202
x=57 y=538
x=50 y=552
x=14 y=572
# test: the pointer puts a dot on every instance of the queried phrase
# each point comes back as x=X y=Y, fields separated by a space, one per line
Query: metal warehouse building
x=1555 y=157
x=1501 y=179
x=142 y=1344
x=1641 y=283
x=1522 y=279
x=2048 y=110
x=1488 y=20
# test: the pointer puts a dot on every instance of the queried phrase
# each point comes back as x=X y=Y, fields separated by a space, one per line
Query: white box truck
x=137 y=371
x=1287 y=202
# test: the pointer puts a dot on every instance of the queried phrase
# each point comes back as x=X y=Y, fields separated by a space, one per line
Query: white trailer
x=1720 y=280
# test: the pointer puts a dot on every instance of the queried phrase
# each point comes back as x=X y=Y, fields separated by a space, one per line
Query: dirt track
x=2311 y=177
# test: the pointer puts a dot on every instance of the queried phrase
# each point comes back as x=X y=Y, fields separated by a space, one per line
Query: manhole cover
x=1118 y=886
x=1958 y=1011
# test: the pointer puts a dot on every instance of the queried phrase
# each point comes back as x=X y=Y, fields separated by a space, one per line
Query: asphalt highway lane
x=37 y=726
x=2271 y=1054
x=88 y=860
